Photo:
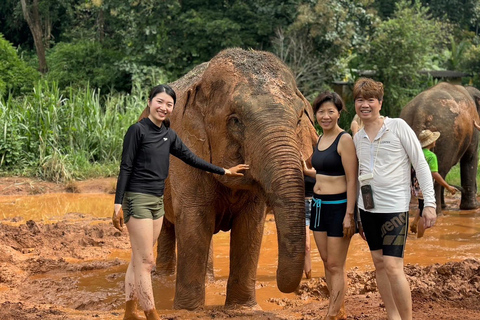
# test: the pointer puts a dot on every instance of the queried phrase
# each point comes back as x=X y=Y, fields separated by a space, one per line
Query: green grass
x=453 y=177
x=60 y=138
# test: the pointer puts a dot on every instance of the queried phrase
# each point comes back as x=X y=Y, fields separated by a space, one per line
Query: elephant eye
x=234 y=119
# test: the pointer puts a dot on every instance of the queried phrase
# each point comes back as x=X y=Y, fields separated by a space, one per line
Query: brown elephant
x=240 y=107
x=451 y=110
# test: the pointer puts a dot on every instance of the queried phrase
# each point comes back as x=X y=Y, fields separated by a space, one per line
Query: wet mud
x=72 y=267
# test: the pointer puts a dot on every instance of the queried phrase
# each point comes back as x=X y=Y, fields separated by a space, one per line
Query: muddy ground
x=36 y=259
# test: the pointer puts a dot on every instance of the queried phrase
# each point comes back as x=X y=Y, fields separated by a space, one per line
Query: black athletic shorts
x=328 y=212
x=385 y=231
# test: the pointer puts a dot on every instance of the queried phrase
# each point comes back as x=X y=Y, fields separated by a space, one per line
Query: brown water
x=455 y=237
x=53 y=206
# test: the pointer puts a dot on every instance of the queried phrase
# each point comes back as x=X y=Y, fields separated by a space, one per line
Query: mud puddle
x=60 y=258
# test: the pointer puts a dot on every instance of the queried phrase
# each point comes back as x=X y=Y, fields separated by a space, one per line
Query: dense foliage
x=16 y=77
x=60 y=137
x=99 y=57
x=398 y=51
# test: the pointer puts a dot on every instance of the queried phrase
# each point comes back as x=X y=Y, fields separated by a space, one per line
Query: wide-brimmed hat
x=428 y=137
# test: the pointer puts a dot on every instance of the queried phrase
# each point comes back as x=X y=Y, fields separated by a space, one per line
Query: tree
x=321 y=39
x=399 y=51
x=459 y=12
x=32 y=16
x=178 y=35
x=471 y=63
x=15 y=76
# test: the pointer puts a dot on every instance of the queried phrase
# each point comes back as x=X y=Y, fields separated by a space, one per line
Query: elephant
x=243 y=106
x=452 y=110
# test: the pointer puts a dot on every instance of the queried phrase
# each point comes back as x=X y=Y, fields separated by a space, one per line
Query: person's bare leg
x=321 y=241
x=399 y=286
x=337 y=249
x=383 y=285
x=131 y=300
x=143 y=235
x=308 y=260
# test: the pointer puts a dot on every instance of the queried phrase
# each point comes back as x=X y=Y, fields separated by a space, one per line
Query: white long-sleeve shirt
x=398 y=147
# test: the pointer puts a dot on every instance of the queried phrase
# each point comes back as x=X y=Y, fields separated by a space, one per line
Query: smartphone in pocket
x=367 y=196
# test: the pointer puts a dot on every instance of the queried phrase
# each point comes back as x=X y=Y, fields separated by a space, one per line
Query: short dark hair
x=162 y=88
x=368 y=88
x=328 y=96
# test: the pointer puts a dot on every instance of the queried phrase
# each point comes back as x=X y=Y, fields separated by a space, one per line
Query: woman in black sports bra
x=334 y=163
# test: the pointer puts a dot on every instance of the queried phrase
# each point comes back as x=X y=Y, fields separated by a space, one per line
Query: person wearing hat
x=428 y=140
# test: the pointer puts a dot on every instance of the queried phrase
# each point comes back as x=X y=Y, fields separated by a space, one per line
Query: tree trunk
x=101 y=25
x=32 y=16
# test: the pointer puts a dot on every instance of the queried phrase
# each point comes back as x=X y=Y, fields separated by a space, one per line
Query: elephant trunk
x=290 y=222
x=282 y=179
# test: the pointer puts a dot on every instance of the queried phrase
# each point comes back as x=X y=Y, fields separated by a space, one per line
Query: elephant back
x=182 y=84
x=448 y=109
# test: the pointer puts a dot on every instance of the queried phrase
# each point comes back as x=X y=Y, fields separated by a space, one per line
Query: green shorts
x=142 y=206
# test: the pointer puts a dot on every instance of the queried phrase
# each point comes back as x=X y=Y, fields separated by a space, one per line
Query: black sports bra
x=328 y=162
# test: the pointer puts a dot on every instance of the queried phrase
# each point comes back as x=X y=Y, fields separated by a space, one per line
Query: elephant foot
x=243 y=307
x=468 y=205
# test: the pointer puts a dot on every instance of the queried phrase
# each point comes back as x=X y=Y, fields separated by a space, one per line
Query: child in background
x=356 y=125
x=428 y=140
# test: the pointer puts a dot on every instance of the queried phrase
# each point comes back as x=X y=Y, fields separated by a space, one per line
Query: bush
x=86 y=63
x=16 y=76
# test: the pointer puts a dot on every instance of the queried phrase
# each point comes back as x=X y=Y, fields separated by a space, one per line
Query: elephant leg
x=166 y=257
x=468 y=176
x=194 y=230
x=245 y=242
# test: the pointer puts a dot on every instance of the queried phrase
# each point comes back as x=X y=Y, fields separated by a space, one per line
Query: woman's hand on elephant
x=305 y=167
x=117 y=217
x=430 y=216
x=476 y=125
x=348 y=226
x=235 y=171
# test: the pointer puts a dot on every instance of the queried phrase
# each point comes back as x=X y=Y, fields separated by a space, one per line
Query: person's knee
x=393 y=270
x=379 y=264
x=147 y=263
x=334 y=267
x=308 y=249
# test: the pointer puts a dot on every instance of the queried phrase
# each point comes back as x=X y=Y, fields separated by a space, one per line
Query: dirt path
x=37 y=260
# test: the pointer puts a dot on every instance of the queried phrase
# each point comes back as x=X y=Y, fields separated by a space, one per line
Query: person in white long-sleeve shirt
x=386 y=149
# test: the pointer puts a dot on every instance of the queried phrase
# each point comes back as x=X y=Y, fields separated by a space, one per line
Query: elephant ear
x=307 y=109
x=188 y=120
x=306 y=133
